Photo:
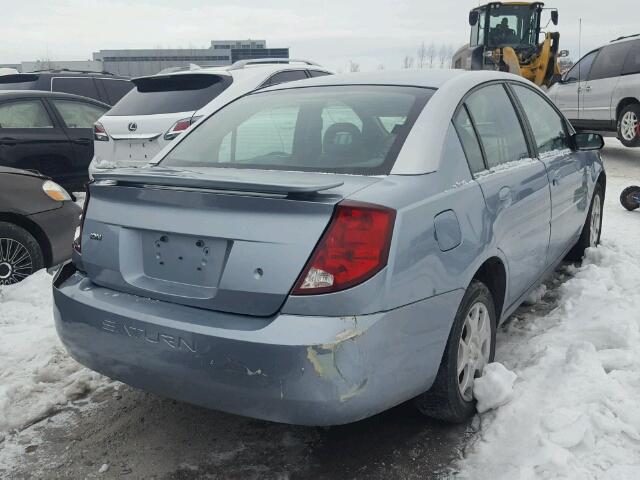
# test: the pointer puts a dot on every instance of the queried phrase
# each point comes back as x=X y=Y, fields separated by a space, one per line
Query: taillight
x=99 y=133
x=180 y=126
x=353 y=249
x=77 y=240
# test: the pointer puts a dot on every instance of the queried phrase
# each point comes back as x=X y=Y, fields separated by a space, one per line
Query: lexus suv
x=602 y=91
x=322 y=250
x=163 y=106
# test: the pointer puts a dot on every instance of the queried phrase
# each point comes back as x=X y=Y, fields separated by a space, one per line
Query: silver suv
x=602 y=91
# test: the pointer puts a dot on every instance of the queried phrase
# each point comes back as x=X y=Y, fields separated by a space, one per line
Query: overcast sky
x=332 y=32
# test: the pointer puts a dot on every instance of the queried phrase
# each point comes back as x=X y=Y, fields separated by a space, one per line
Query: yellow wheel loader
x=506 y=36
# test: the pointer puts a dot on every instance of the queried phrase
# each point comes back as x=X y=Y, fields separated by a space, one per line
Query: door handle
x=588 y=89
x=505 y=194
x=82 y=141
x=579 y=89
x=8 y=141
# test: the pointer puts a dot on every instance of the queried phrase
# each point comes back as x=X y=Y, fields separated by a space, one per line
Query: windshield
x=513 y=25
x=338 y=129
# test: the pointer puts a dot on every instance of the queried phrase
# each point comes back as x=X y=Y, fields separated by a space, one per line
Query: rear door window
x=115 y=89
x=632 y=62
x=497 y=124
x=609 y=61
x=171 y=94
x=334 y=129
x=288 y=76
x=24 y=114
x=469 y=140
x=83 y=86
x=549 y=131
x=77 y=114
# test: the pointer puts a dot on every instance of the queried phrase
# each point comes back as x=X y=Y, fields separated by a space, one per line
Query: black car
x=51 y=133
x=104 y=87
x=37 y=224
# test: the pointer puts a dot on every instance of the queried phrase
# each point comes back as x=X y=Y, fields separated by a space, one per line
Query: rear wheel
x=629 y=125
x=471 y=345
x=20 y=254
x=628 y=197
x=590 y=236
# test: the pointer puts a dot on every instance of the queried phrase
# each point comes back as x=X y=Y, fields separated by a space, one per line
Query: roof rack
x=68 y=70
x=240 y=64
x=625 y=36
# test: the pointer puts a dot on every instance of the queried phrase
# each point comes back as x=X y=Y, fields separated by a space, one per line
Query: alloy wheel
x=629 y=126
x=16 y=263
x=474 y=348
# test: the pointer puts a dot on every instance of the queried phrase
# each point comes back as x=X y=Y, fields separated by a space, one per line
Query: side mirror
x=556 y=78
x=473 y=17
x=588 y=141
x=563 y=53
x=554 y=17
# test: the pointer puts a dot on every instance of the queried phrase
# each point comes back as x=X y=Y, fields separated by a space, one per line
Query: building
x=139 y=62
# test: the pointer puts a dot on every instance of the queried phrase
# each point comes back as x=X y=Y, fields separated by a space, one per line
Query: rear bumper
x=292 y=369
x=59 y=226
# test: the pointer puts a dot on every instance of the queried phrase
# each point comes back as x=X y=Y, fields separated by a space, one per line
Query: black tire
x=585 y=241
x=626 y=198
x=14 y=266
x=444 y=400
x=624 y=135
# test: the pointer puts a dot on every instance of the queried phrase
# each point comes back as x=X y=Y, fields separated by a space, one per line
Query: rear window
x=336 y=129
x=83 y=86
x=18 y=82
x=116 y=89
x=170 y=94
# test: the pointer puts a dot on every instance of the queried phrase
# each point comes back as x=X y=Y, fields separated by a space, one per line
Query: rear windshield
x=337 y=129
x=170 y=94
x=18 y=82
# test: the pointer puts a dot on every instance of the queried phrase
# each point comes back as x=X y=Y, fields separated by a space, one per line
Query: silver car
x=602 y=91
x=323 y=250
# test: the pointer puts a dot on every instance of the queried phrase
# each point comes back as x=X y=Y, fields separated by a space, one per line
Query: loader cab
x=516 y=25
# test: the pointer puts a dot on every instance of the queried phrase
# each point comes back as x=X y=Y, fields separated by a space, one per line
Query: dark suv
x=51 y=133
x=105 y=87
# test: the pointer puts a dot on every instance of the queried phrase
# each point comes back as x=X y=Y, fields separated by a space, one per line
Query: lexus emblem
x=133 y=126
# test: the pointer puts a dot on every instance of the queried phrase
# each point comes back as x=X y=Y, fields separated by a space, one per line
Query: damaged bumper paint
x=304 y=370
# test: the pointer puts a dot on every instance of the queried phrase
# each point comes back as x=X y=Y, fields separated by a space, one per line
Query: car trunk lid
x=231 y=240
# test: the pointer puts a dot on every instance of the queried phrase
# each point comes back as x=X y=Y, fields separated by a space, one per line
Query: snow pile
x=575 y=411
x=36 y=373
x=494 y=388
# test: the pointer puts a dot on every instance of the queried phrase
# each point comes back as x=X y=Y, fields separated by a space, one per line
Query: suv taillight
x=99 y=133
x=180 y=126
x=354 y=247
x=77 y=240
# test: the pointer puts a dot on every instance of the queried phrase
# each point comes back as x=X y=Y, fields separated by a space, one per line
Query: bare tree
x=450 y=52
x=431 y=54
x=407 y=61
x=421 y=55
x=353 y=66
x=443 y=54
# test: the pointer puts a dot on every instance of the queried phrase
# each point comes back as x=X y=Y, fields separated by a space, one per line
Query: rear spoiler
x=268 y=182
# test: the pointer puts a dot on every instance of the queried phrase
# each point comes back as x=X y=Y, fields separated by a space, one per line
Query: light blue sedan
x=321 y=251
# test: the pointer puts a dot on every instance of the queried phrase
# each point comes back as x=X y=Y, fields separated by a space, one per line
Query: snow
x=574 y=412
x=36 y=374
x=494 y=388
